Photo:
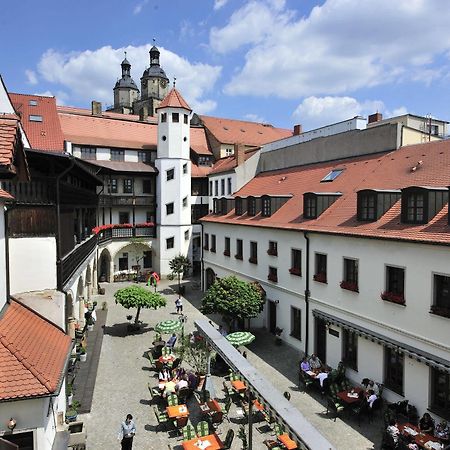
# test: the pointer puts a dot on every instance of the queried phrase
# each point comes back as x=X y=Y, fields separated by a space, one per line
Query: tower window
x=186 y=235
x=163 y=117
x=175 y=117
x=170 y=174
x=169 y=208
x=186 y=118
x=170 y=243
x=164 y=138
x=185 y=202
x=185 y=168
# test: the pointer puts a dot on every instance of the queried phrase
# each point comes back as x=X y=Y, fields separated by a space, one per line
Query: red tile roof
x=9 y=133
x=392 y=170
x=174 y=100
x=199 y=144
x=33 y=354
x=5 y=195
x=46 y=135
x=229 y=162
x=230 y=131
x=199 y=171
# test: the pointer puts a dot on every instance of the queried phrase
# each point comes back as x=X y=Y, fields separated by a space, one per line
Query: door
x=272 y=316
x=321 y=339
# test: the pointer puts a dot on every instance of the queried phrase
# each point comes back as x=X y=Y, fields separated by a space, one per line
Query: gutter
x=8 y=283
x=307 y=294
x=202 y=264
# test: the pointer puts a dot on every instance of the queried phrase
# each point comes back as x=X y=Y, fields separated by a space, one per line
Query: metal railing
x=126 y=233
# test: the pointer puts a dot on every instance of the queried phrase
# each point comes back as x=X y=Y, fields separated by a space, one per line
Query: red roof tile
x=9 y=133
x=392 y=170
x=33 y=353
x=198 y=142
x=174 y=100
x=229 y=162
x=44 y=135
x=230 y=131
x=199 y=171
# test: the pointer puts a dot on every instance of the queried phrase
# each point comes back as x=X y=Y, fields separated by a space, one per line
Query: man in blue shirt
x=127 y=432
x=171 y=341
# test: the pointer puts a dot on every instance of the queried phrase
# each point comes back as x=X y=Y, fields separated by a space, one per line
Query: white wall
x=3 y=274
x=32 y=264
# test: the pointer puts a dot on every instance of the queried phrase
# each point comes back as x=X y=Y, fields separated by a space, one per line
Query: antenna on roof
x=125 y=54
x=174 y=81
x=154 y=41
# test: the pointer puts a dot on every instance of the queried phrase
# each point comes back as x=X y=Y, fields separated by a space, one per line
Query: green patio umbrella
x=169 y=326
x=240 y=338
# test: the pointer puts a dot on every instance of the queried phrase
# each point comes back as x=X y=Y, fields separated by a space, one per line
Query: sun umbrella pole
x=250 y=420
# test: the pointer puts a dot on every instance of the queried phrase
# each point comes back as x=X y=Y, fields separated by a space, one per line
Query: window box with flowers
x=272 y=252
x=237 y=256
x=349 y=286
x=226 y=253
x=295 y=271
x=440 y=310
x=393 y=297
x=253 y=260
x=272 y=277
x=321 y=277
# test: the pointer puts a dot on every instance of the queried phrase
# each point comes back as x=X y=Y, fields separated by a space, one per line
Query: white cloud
x=60 y=96
x=254 y=118
x=138 y=8
x=219 y=4
x=31 y=76
x=340 y=47
x=315 y=112
x=91 y=74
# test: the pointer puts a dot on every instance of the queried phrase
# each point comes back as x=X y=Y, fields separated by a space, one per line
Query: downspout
x=307 y=294
x=58 y=220
x=202 y=277
x=7 y=254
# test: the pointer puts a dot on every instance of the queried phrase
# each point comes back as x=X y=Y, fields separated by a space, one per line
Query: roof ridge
x=32 y=95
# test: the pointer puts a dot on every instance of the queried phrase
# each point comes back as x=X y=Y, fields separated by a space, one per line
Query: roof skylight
x=332 y=175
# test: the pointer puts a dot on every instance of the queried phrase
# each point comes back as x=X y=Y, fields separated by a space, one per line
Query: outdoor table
x=177 y=411
x=239 y=385
x=350 y=397
x=423 y=440
x=258 y=405
x=202 y=443
x=287 y=441
x=210 y=406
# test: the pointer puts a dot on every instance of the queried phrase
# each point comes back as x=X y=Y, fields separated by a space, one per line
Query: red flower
x=393 y=297
x=349 y=285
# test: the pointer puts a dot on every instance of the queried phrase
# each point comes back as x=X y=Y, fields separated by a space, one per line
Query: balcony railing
x=68 y=265
x=126 y=200
x=36 y=192
x=126 y=233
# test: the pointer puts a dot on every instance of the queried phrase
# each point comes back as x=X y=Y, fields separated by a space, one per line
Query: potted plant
x=90 y=324
x=83 y=354
x=72 y=412
x=69 y=394
x=78 y=331
x=278 y=340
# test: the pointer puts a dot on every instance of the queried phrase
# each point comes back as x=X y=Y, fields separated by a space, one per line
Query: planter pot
x=83 y=357
x=70 y=399
x=90 y=327
x=71 y=416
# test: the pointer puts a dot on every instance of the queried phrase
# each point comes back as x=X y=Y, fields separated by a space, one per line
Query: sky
x=282 y=62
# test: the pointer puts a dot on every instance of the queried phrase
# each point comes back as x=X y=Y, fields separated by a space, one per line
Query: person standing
x=179 y=305
x=127 y=432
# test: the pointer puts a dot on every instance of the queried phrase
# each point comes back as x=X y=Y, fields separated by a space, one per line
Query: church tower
x=125 y=91
x=173 y=186
x=154 y=87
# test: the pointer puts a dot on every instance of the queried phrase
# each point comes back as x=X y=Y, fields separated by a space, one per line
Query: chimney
x=239 y=153
x=298 y=130
x=143 y=114
x=96 y=108
x=375 y=117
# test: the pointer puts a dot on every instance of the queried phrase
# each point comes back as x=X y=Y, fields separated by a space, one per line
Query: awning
x=412 y=352
x=301 y=430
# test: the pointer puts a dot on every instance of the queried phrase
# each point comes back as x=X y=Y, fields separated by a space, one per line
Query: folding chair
x=188 y=432
x=172 y=400
x=202 y=428
x=161 y=417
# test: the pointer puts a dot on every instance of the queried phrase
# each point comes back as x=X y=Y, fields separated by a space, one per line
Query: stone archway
x=210 y=277
x=135 y=257
x=104 y=264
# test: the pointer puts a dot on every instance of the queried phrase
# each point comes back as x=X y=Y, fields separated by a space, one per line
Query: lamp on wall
x=276 y=302
x=11 y=424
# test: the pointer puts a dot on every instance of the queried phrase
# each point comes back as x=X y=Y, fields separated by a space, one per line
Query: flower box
x=295 y=271
x=226 y=253
x=321 y=277
x=349 y=286
x=393 y=297
x=272 y=277
x=272 y=252
x=253 y=260
x=238 y=257
x=440 y=310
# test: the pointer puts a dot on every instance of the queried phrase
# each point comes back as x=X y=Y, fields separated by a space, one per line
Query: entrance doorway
x=321 y=339
x=272 y=317
x=210 y=278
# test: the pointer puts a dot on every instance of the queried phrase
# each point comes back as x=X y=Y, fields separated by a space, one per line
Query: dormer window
x=315 y=203
x=216 y=206
x=367 y=206
x=310 y=207
x=251 y=206
x=238 y=208
x=373 y=203
x=266 y=210
x=420 y=203
x=332 y=175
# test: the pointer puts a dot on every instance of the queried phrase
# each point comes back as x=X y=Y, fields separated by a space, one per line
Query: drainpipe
x=7 y=253
x=202 y=277
x=307 y=294
x=58 y=219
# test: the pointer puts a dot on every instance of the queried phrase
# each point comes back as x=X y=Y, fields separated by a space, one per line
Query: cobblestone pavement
x=123 y=376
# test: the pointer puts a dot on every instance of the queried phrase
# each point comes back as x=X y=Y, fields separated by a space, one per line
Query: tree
x=194 y=353
x=234 y=299
x=139 y=297
x=179 y=265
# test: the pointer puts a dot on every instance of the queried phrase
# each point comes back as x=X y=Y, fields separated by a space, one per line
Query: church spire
x=126 y=67
x=154 y=55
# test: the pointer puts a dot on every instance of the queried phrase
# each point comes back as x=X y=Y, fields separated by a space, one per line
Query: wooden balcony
x=36 y=192
x=126 y=233
x=126 y=200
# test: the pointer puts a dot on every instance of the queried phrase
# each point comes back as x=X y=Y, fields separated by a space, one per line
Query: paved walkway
x=123 y=375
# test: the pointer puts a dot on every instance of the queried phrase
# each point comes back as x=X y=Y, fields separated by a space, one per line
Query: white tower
x=173 y=186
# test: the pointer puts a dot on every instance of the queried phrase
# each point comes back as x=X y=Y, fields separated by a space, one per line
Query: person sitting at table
x=169 y=388
x=393 y=431
x=304 y=365
x=164 y=375
x=442 y=432
x=171 y=341
x=182 y=383
x=426 y=424
x=315 y=362
x=408 y=442
x=192 y=380
x=322 y=377
x=372 y=386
